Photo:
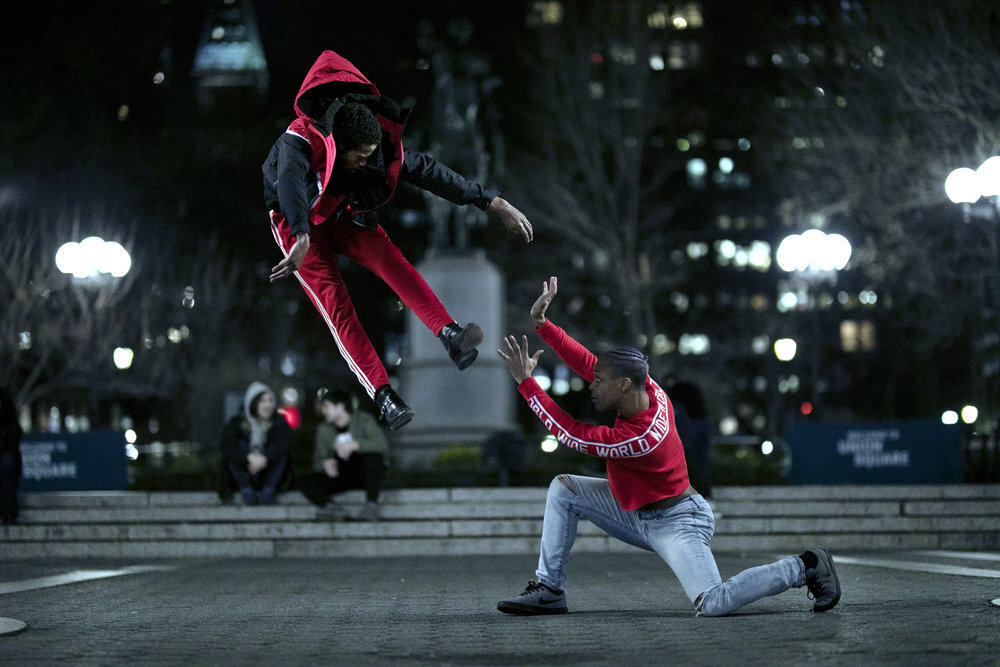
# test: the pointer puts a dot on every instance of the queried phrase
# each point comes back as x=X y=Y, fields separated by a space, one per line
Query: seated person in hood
x=255 y=447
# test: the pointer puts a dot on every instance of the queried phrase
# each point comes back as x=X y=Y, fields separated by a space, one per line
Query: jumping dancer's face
x=356 y=158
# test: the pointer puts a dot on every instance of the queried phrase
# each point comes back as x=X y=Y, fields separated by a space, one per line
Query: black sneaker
x=536 y=599
x=391 y=408
x=461 y=343
x=824 y=587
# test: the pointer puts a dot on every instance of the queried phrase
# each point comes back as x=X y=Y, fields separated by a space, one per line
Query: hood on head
x=254 y=390
x=331 y=76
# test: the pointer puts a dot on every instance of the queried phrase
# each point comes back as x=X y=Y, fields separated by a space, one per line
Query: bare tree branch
x=585 y=176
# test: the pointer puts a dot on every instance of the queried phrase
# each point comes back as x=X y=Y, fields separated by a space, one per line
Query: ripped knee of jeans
x=568 y=482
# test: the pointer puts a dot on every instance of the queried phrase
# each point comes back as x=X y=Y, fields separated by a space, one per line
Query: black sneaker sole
x=472 y=338
x=465 y=360
x=516 y=609
x=827 y=607
x=401 y=420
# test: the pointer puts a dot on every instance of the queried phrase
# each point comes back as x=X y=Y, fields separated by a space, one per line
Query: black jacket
x=300 y=177
x=236 y=440
x=291 y=188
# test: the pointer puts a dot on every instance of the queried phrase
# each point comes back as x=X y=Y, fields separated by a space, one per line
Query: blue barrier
x=880 y=452
x=92 y=461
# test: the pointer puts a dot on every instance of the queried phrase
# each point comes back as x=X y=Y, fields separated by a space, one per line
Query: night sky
x=70 y=66
x=182 y=174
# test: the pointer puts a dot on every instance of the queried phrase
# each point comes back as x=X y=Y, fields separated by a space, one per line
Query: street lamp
x=814 y=256
x=977 y=192
x=94 y=263
x=814 y=253
x=785 y=348
x=93 y=259
x=965 y=186
x=123 y=358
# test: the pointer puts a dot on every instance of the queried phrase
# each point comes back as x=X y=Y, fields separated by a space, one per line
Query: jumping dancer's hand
x=519 y=362
x=291 y=264
x=511 y=218
x=549 y=289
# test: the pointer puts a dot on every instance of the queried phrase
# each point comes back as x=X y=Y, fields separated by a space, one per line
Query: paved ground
x=624 y=609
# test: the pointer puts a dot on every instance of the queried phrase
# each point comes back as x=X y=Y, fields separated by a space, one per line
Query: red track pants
x=321 y=279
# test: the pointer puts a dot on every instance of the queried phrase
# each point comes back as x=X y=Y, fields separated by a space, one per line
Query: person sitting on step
x=349 y=454
x=255 y=448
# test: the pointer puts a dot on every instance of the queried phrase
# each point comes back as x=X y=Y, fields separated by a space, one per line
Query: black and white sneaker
x=824 y=587
x=536 y=599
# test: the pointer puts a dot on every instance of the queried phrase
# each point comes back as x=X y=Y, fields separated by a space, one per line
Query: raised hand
x=520 y=363
x=549 y=289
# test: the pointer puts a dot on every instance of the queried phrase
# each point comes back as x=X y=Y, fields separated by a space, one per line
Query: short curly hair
x=355 y=125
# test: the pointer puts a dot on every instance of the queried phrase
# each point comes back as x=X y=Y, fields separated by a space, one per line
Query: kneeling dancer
x=647 y=500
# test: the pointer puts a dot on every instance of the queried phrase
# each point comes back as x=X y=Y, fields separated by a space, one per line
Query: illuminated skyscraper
x=230 y=57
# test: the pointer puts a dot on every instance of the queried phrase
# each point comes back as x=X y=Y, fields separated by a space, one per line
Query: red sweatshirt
x=643 y=454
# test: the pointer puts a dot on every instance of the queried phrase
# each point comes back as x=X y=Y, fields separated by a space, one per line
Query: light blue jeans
x=681 y=535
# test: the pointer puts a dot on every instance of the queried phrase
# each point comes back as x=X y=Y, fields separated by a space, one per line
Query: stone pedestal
x=455 y=407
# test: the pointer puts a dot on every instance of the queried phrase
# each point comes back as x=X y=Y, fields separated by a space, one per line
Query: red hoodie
x=643 y=454
x=329 y=79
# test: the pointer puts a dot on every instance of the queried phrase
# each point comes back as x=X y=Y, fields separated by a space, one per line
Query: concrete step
x=485 y=521
x=309 y=529
x=856 y=492
x=501 y=494
x=725 y=496
x=475 y=546
x=132 y=499
x=449 y=510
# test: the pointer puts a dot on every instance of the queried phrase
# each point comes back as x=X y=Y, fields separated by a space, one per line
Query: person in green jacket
x=349 y=453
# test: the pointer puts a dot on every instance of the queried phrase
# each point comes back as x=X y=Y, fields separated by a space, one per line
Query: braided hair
x=628 y=362
x=355 y=125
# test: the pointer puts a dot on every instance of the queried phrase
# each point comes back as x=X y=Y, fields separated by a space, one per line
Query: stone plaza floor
x=898 y=608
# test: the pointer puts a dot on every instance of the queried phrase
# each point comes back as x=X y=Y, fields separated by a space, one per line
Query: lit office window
x=693 y=344
x=545 y=13
x=857 y=336
x=696 y=171
x=687 y=15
